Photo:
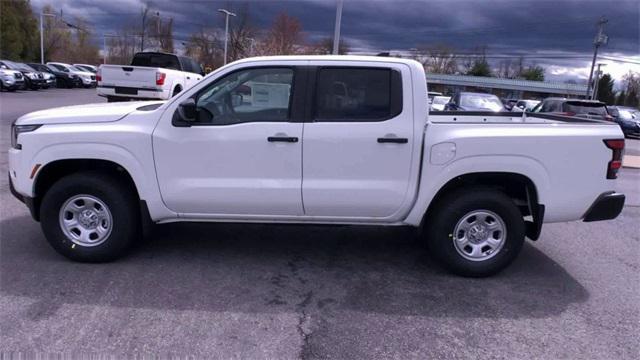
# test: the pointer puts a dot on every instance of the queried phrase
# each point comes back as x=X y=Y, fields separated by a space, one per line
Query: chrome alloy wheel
x=85 y=220
x=479 y=235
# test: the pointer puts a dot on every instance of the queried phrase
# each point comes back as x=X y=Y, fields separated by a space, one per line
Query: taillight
x=99 y=75
x=609 y=118
x=160 y=76
x=617 y=148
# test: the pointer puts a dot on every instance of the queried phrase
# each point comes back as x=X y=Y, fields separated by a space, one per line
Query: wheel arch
x=55 y=170
x=520 y=188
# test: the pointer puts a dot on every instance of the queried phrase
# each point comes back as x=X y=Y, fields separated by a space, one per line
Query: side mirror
x=451 y=106
x=188 y=110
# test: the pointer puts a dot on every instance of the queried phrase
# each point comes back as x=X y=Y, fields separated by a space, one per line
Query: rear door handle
x=289 y=139
x=392 y=140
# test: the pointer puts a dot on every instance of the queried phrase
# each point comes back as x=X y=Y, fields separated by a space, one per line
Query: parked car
x=439 y=102
x=10 y=79
x=589 y=109
x=525 y=105
x=33 y=79
x=49 y=77
x=628 y=118
x=476 y=183
x=86 y=67
x=88 y=79
x=62 y=79
x=431 y=95
x=509 y=103
x=470 y=101
x=151 y=75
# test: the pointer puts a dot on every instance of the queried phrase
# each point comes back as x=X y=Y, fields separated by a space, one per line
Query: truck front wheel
x=475 y=232
x=90 y=217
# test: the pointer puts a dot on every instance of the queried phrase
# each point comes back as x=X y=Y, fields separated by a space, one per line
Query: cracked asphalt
x=332 y=292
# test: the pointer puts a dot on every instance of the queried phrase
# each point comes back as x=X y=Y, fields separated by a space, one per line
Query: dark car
x=628 y=118
x=33 y=79
x=470 y=101
x=588 y=109
x=63 y=79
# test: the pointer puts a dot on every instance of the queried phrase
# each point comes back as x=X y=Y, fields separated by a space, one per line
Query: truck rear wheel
x=90 y=217
x=475 y=232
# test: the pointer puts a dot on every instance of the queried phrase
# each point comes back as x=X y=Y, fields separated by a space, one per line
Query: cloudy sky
x=557 y=34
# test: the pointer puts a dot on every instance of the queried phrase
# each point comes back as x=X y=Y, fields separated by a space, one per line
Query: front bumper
x=28 y=201
x=606 y=207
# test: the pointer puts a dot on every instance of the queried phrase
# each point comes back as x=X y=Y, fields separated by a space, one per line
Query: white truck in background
x=313 y=139
x=151 y=76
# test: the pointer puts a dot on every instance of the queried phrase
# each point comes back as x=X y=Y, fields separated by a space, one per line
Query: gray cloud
x=563 y=30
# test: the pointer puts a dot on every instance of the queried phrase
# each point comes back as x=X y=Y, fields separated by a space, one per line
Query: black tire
x=452 y=208
x=121 y=203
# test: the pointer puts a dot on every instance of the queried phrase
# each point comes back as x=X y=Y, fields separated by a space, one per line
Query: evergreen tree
x=605 y=90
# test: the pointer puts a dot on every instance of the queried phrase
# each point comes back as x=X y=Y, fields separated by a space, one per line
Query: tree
x=242 y=36
x=477 y=65
x=206 y=46
x=534 y=72
x=605 y=90
x=438 y=59
x=18 y=31
x=284 y=36
x=325 y=47
x=622 y=96
x=632 y=81
x=480 y=68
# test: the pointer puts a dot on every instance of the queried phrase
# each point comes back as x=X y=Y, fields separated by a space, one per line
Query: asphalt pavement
x=337 y=292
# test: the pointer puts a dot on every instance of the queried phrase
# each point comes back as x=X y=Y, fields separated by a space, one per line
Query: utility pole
x=601 y=39
x=336 y=29
x=42 y=15
x=226 y=31
x=596 y=85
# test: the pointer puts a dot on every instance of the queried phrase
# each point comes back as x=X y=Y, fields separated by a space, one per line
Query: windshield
x=11 y=65
x=585 y=108
x=26 y=67
x=481 y=101
x=628 y=115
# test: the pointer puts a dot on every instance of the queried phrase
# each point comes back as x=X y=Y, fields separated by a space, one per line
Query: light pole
x=601 y=39
x=226 y=31
x=594 y=93
x=336 y=29
x=42 y=15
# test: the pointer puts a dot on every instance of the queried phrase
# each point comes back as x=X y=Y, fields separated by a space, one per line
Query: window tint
x=60 y=67
x=186 y=64
x=195 y=67
x=247 y=96
x=577 y=107
x=550 y=106
x=166 y=61
x=357 y=94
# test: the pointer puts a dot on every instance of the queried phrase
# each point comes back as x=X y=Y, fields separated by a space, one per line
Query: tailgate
x=128 y=76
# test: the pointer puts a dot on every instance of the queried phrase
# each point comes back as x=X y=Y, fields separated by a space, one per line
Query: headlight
x=19 y=129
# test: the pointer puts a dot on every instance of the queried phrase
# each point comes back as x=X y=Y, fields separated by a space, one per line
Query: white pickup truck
x=151 y=76
x=313 y=139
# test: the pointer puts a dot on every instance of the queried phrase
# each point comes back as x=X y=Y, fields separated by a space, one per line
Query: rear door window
x=585 y=108
x=358 y=94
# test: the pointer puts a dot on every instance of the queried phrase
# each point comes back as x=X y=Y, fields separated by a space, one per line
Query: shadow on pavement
x=278 y=268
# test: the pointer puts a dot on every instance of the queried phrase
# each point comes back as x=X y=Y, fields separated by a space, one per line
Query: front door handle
x=289 y=139
x=392 y=140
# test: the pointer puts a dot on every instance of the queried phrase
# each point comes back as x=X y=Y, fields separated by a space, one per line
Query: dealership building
x=504 y=88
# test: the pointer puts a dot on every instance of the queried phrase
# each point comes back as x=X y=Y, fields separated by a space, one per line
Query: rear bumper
x=606 y=207
x=133 y=92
